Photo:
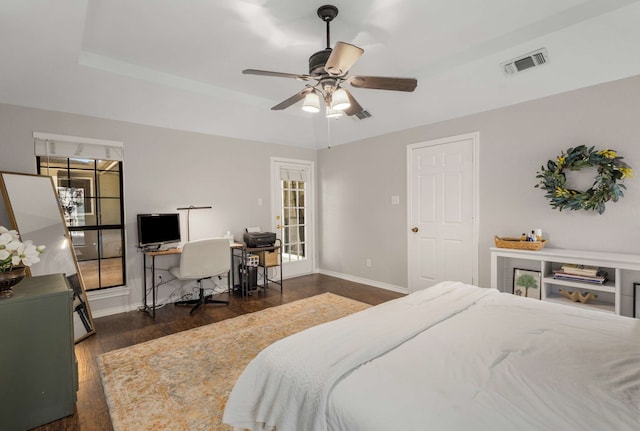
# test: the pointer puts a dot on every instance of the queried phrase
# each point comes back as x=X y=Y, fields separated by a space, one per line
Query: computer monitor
x=158 y=229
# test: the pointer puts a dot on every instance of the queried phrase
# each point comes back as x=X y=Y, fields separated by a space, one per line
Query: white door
x=293 y=214
x=442 y=210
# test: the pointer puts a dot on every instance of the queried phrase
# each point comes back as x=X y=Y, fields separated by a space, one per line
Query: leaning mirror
x=32 y=206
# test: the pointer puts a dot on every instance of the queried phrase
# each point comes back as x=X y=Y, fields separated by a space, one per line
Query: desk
x=240 y=250
x=152 y=255
x=237 y=249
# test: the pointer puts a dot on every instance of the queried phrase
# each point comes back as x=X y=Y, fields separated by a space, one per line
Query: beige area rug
x=181 y=382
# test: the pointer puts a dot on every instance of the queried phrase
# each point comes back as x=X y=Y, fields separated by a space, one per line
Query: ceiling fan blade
x=355 y=107
x=343 y=56
x=383 y=83
x=291 y=100
x=277 y=74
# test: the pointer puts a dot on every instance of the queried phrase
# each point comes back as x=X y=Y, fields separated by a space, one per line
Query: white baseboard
x=112 y=292
x=366 y=281
x=102 y=312
x=110 y=301
x=116 y=300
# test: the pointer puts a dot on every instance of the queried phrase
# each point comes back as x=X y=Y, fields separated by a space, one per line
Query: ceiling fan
x=328 y=71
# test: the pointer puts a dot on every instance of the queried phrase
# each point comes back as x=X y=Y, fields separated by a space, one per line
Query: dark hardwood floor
x=126 y=329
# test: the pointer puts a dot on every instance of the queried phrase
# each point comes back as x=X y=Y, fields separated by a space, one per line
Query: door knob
x=414 y=229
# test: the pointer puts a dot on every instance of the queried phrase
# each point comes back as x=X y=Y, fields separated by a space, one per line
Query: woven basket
x=518 y=244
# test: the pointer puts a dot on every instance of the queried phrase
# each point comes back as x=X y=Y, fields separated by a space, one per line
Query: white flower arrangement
x=14 y=252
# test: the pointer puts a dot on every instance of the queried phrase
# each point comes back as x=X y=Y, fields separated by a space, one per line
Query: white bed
x=452 y=357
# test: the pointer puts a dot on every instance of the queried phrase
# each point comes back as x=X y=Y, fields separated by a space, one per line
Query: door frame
x=310 y=217
x=475 y=143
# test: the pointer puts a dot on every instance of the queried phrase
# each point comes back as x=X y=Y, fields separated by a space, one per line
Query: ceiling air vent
x=363 y=114
x=524 y=62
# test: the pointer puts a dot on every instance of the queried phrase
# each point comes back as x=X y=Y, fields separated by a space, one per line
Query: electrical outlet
x=368 y=262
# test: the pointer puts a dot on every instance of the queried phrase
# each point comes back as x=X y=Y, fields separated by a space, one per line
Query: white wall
x=163 y=169
x=357 y=220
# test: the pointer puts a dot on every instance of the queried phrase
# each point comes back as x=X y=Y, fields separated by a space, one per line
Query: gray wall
x=357 y=220
x=164 y=169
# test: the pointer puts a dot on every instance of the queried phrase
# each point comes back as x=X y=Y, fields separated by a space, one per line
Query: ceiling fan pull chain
x=328 y=133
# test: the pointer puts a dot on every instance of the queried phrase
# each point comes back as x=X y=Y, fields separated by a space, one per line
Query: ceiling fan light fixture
x=311 y=103
x=333 y=113
x=340 y=100
x=343 y=56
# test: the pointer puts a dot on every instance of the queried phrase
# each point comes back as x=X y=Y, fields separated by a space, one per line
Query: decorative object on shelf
x=577 y=269
x=576 y=295
x=518 y=243
x=582 y=273
x=538 y=233
x=526 y=283
x=606 y=185
x=15 y=256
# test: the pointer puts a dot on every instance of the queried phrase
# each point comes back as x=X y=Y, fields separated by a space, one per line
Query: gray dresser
x=38 y=368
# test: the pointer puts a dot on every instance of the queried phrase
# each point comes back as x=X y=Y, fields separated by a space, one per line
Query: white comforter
x=448 y=358
x=288 y=383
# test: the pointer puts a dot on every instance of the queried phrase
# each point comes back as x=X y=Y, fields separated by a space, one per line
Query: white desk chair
x=202 y=260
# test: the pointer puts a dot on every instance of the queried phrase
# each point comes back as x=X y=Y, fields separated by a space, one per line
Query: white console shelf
x=503 y=261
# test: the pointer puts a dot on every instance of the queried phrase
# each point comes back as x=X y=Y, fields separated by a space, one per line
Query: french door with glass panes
x=293 y=214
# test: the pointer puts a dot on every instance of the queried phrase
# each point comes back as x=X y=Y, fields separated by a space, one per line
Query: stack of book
x=584 y=273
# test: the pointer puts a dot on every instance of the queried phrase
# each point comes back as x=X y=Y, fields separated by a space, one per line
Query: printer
x=259 y=239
